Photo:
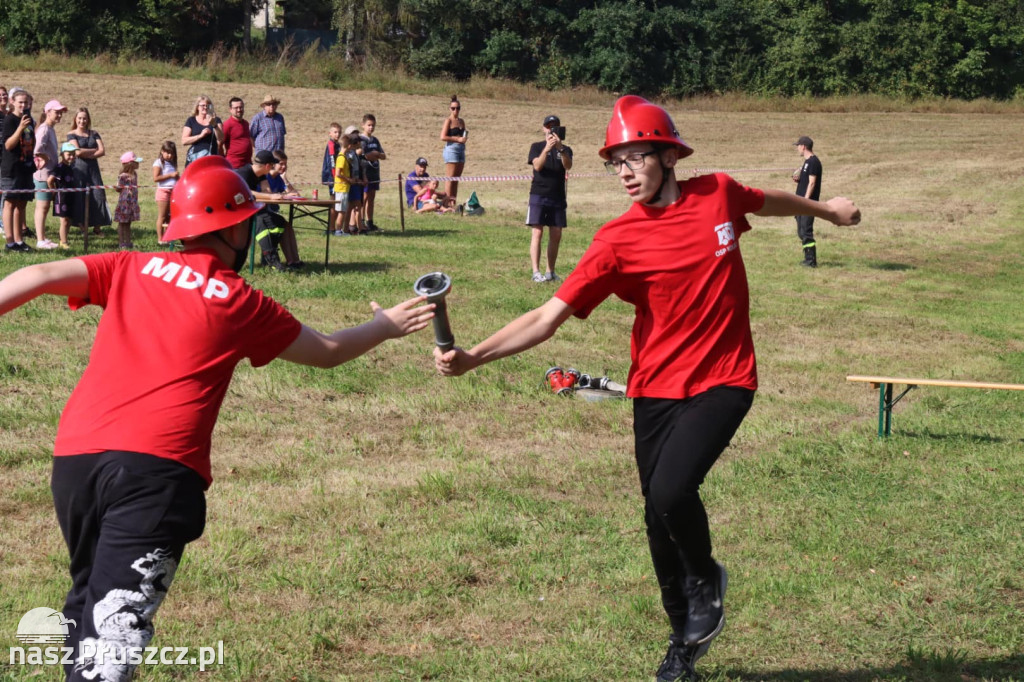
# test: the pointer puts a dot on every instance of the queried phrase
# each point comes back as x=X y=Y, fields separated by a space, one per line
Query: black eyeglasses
x=633 y=162
x=456 y=108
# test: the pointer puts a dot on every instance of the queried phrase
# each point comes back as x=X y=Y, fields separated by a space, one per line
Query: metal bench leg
x=885 y=405
x=888 y=409
x=883 y=412
x=252 y=244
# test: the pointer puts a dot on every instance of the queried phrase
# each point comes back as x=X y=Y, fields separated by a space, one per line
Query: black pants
x=677 y=443
x=126 y=518
x=270 y=228
x=805 y=229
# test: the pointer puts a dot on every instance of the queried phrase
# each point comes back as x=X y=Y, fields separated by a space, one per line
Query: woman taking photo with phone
x=15 y=168
x=202 y=132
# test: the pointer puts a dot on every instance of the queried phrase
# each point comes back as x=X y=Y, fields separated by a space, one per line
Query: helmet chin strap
x=240 y=254
x=664 y=178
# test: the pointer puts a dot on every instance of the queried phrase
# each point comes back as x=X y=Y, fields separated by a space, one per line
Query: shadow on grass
x=893 y=267
x=934 y=667
x=347 y=268
x=959 y=436
x=417 y=233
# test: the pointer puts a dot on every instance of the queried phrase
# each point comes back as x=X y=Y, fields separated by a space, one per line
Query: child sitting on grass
x=429 y=200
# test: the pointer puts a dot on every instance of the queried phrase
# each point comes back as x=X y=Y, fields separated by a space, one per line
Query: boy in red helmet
x=132 y=457
x=675 y=256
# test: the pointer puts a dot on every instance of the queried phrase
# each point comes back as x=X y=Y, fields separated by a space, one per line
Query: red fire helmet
x=634 y=119
x=209 y=197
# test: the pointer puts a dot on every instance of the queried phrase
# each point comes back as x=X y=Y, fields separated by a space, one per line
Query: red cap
x=634 y=119
x=210 y=196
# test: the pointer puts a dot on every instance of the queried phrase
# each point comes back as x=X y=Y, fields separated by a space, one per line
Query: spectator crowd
x=58 y=170
x=60 y=173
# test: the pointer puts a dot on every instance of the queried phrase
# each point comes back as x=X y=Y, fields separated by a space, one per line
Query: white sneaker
x=46 y=244
x=538 y=277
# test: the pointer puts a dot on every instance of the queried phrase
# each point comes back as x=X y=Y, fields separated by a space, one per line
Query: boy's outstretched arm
x=61 y=278
x=330 y=350
x=839 y=210
x=522 y=333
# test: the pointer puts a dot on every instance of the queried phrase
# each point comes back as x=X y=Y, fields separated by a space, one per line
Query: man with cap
x=132 y=457
x=267 y=127
x=550 y=160
x=674 y=255
x=270 y=226
x=808 y=185
x=414 y=181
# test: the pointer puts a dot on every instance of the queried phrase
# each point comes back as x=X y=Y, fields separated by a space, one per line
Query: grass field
x=377 y=522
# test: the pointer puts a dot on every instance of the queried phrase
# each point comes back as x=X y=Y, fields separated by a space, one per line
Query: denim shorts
x=43 y=196
x=454 y=152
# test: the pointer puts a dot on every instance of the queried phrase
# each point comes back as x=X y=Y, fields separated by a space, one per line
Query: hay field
x=375 y=522
x=856 y=148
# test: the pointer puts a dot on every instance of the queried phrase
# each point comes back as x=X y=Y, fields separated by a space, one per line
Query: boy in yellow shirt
x=343 y=180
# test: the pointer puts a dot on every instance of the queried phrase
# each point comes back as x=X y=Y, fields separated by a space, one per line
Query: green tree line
x=904 y=48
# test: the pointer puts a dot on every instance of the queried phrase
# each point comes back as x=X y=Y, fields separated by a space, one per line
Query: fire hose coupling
x=566 y=382
x=436 y=286
x=562 y=381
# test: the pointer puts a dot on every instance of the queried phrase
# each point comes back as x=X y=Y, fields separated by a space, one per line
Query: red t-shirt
x=237 y=142
x=681 y=267
x=173 y=328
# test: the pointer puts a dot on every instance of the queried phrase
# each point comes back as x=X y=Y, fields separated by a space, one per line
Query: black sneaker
x=705 y=616
x=22 y=246
x=679 y=663
x=275 y=262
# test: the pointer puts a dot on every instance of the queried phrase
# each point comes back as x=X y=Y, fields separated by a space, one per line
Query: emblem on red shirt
x=726 y=238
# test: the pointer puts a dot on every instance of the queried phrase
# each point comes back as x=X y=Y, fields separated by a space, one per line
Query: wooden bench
x=886 y=401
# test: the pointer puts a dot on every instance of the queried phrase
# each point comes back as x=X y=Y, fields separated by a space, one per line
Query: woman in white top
x=46 y=148
x=165 y=175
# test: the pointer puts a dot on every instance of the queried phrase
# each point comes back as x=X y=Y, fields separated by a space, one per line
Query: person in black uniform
x=270 y=226
x=808 y=185
x=550 y=160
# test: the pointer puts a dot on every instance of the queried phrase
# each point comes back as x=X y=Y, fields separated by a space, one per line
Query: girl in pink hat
x=127 y=210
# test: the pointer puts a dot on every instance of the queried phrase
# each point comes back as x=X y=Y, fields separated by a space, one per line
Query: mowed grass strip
x=377 y=522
